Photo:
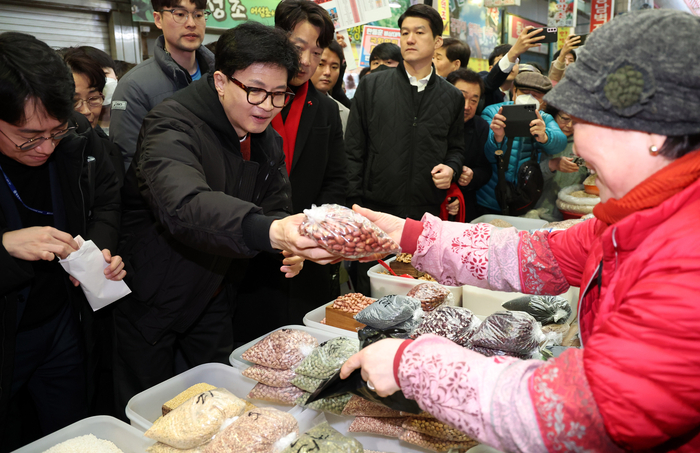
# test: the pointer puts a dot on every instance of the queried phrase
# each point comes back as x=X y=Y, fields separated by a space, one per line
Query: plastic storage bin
x=384 y=284
x=314 y=318
x=483 y=302
x=235 y=357
x=145 y=408
x=521 y=223
x=127 y=438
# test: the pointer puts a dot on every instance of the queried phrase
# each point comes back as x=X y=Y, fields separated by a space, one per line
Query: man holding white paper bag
x=56 y=182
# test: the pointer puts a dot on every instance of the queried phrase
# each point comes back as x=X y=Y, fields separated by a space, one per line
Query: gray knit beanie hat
x=641 y=71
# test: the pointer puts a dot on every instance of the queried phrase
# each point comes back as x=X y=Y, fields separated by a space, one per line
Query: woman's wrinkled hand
x=377 y=365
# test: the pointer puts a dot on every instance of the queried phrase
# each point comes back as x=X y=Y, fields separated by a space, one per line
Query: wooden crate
x=342 y=319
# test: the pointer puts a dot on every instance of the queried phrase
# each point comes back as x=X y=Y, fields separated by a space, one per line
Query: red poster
x=601 y=12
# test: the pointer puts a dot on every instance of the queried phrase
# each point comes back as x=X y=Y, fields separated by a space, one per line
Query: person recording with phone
x=563 y=58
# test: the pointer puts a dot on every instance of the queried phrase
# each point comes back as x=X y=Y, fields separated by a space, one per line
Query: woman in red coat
x=635 y=384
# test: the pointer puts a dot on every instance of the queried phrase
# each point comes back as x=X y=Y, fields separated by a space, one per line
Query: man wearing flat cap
x=530 y=88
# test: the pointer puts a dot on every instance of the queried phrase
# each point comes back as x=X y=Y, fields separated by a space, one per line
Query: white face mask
x=108 y=91
x=527 y=99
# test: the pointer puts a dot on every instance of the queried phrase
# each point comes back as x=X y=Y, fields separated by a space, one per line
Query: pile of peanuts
x=431 y=295
x=434 y=428
x=384 y=426
x=352 y=302
x=433 y=443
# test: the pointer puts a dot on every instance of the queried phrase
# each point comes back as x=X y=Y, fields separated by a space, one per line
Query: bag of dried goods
x=435 y=444
x=389 y=312
x=195 y=421
x=184 y=396
x=324 y=439
x=431 y=295
x=325 y=360
x=333 y=404
x=160 y=447
x=513 y=333
x=306 y=383
x=457 y=324
x=281 y=395
x=263 y=430
x=545 y=309
x=384 y=426
x=345 y=233
x=282 y=349
x=270 y=376
x=434 y=428
x=369 y=335
x=361 y=407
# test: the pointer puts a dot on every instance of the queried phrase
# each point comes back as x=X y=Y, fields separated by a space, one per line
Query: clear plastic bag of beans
x=327 y=359
x=384 y=426
x=345 y=233
x=263 y=430
x=282 y=349
x=431 y=295
x=388 y=312
x=457 y=324
x=196 y=420
x=334 y=404
x=281 y=395
x=514 y=332
x=434 y=428
x=270 y=376
x=306 y=383
x=160 y=447
x=323 y=438
x=360 y=407
x=435 y=444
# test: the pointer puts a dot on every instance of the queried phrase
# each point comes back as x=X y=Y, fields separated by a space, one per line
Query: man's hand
x=292 y=264
x=563 y=164
x=377 y=365
x=498 y=126
x=39 y=243
x=453 y=208
x=115 y=271
x=530 y=37
x=466 y=177
x=442 y=176
x=391 y=225
x=572 y=42
x=284 y=235
x=341 y=39
x=538 y=129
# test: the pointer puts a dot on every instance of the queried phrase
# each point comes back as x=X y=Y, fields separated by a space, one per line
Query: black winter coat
x=476 y=132
x=192 y=205
x=90 y=193
x=396 y=136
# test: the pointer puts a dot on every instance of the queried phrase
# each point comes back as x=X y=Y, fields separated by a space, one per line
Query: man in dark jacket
x=179 y=58
x=56 y=183
x=208 y=186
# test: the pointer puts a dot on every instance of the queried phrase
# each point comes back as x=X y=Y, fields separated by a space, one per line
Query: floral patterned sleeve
x=502 y=259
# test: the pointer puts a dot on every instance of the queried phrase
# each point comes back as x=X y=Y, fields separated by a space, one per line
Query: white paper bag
x=87 y=265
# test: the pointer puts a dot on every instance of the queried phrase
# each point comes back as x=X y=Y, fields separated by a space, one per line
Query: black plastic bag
x=545 y=309
x=389 y=311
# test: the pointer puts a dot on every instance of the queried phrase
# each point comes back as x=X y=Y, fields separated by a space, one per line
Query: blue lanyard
x=16 y=194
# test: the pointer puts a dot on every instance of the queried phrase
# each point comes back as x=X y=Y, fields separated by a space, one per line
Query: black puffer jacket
x=191 y=204
x=395 y=136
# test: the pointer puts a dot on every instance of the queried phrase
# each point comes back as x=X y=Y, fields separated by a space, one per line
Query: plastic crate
x=385 y=284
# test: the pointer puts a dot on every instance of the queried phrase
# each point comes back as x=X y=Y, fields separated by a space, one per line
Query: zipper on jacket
x=614 y=241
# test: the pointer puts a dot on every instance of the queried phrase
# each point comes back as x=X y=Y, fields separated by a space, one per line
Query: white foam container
x=521 y=223
x=237 y=361
x=384 y=284
x=127 y=438
x=483 y=302
x=314 y=318
x=145 y=408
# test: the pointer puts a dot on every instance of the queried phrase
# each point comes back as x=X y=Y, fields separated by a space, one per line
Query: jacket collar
x=173 y=70
x=401 y=68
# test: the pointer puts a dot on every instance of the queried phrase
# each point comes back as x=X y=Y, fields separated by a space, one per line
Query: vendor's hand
x=292 y=264
x=39 y=243
x=284 y=235
x=377 y=364
x=529 y=37
x=563 y=164
x=498 y=126
x=466 y=177
x=453 y=208
x=572 y=42
x=442 y=176
x=391 y=225
x=538 y=129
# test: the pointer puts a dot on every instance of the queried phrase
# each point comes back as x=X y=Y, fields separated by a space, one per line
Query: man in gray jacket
x=179 y=59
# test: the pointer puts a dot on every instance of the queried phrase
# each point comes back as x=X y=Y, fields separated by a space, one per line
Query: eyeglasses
x=33 y=143
x=180 y=16
x=257 y=96
x=565 y=121
x=95 y=101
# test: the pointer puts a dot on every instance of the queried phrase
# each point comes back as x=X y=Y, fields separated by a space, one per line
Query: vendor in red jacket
x=635 y=384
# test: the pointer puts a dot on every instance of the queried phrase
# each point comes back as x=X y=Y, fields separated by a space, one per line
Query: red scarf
x=454 y=191
x=288 y=129
x=653 y=191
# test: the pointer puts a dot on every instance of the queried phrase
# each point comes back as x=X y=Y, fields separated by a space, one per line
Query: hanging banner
x=562 y=34
x=500 y=3
x=443 y=7
x=601 y=12
x=350 y=13
x=373 y=36
x=562 y=13
x=225 y=13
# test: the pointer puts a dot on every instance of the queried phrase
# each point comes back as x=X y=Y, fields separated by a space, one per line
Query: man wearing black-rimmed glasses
x=179 y=59
x=207 y=189
x=55 y=183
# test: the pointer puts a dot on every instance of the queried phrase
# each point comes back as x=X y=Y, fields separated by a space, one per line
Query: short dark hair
x=253 y=42
x=335 y=48
x=31 y=70
x=386 y=51
x=159 y=5
x=457 y=50
x=211 y=46
x=499 y=51
x=466 y=75
x=121 y=67
x=426 y=12
x=364 y=72
x=558 y=52
x=80 y=63
x=100 y=56
x=675 y=147
x=290 y=13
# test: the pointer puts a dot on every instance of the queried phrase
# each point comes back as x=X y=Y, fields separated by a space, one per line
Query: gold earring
x=653 y=150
